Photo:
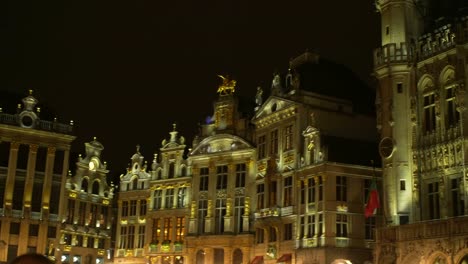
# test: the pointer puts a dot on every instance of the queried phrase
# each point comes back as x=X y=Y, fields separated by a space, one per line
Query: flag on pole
x=372 y=200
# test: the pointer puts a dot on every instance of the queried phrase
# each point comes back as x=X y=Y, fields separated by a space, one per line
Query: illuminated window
x=220 y=212
x=157 y=200
x=202 y=211
x=452 y=116
x=167 y=229
x=288 y=189
x=204 y=172
x=288 y=137
x=221 y=177
x=169 y=199
x=239 y=203
x=156 y=232
x=261 y=147
x=433 y=196
x=240 y=175
x=274 y=142
x=429 y=112
x=341 y=225
x=76 y=259
x=104 y=213
x=341 y=188
x=260 y=196
x=180 y=228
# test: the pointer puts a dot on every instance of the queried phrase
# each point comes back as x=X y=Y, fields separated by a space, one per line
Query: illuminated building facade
x=313 y=167
x=86 y=211
x=285 y=184
x=153 y=207
x=33 y=170
x=422 y=72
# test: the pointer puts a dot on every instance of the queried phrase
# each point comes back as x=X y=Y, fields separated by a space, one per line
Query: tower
x=401 y=24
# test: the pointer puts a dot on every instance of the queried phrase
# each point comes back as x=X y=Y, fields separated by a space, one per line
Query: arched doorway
x=218 y=255
x=464 y=260
x=237 y=256
x=200 y=257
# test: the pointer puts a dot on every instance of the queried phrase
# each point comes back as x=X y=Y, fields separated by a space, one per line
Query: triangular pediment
x=272 y=105
x=220 y=143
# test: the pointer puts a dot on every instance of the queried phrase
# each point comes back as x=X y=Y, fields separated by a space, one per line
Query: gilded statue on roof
x=228 y=85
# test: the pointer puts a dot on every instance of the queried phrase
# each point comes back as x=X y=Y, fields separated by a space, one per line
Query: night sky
x=124 y=71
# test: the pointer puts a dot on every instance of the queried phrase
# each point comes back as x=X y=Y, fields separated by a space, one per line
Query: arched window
x=84 y=185
x=96 y=187
x=183 y=172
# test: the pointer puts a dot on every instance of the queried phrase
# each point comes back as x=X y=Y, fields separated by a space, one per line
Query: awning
x=257 y=260
x=284 y=258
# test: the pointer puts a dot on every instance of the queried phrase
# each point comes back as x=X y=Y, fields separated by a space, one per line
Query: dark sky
x=124 y=71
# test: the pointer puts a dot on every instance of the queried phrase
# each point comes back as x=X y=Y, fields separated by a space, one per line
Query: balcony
x=424 y=230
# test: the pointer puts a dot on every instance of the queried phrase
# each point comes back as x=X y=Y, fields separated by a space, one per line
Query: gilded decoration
x=227 y=87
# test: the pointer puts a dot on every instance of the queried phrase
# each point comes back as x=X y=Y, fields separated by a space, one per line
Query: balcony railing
x=424 y=230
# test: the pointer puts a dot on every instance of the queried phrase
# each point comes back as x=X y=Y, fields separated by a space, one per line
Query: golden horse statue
x=227 y=87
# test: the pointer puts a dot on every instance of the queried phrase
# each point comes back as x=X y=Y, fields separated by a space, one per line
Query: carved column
x=29 y=182
x=47 y=188
x=10 y=181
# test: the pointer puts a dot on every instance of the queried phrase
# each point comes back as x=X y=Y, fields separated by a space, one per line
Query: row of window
x=273 y=145
x=222 y=177
x=433 y=196
x=220 y=210
x=89 y=214
x=311 y=226
x=431 y=109
x=133 y=236
x=83 y=241
x=33 y=229
x=129 y=208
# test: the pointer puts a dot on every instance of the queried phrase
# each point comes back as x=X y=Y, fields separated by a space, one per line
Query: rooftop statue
x=227 y=87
